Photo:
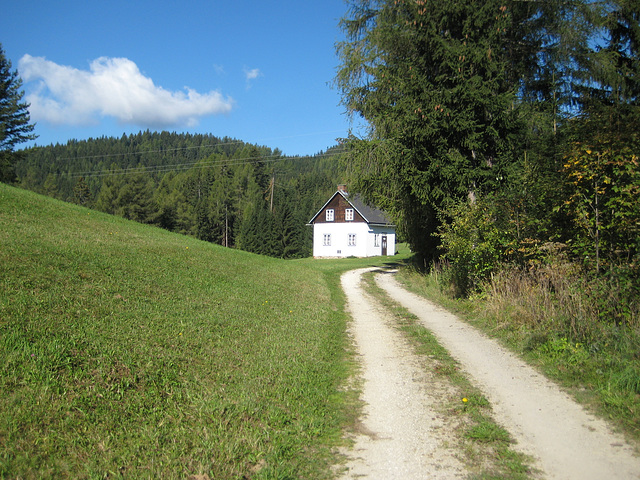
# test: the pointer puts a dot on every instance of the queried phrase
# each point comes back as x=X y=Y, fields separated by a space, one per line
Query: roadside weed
x=487 y=432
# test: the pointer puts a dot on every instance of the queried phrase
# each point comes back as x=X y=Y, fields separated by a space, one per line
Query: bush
x=561 y=299
x=473 y=242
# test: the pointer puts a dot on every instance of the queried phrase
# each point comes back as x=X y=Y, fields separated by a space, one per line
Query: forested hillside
x=217 y=189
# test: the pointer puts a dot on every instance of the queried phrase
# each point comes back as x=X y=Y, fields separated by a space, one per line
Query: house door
x=384 y=244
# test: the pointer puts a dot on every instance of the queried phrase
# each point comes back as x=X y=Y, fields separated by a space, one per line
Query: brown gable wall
x=339 y=205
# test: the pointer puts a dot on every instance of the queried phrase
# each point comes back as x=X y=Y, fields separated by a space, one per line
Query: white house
x=346 y=227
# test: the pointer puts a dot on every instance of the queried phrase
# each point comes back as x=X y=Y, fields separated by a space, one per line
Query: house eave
x=381 y=224
x=371 y=224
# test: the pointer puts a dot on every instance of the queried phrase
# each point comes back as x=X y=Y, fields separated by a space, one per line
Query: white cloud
x=112 y=87
x=252 y=74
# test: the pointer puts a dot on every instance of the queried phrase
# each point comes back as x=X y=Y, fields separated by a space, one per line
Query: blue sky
x=257 y=71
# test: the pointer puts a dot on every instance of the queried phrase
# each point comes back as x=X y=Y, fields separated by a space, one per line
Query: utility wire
x=142 y=152
x=196 y=164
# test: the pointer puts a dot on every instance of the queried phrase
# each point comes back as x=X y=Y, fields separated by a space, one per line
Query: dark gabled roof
x=371 y=215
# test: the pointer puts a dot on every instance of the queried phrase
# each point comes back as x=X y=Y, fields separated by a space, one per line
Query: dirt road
x=402 y=436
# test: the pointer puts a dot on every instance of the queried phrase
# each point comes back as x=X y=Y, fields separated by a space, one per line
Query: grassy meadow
x=130 y=352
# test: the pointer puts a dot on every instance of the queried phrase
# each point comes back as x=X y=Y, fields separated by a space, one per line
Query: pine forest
x=219 y=190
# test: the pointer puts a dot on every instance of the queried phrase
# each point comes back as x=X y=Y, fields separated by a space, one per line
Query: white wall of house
x=349 y=239
x=375 y=240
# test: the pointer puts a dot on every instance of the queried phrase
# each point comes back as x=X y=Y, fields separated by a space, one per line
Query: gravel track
x=402 y=435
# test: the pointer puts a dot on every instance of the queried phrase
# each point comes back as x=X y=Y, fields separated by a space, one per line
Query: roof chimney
x=343 y=188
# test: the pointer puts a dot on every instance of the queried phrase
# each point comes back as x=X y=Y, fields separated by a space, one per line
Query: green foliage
x=562 y=348
x=603 y=182
x=81 y=192
x=259 y=233
x=130 y=197
x=615 y=65
x=474 y=242
x=477 y=101
x=15 y=126
x=438 y=85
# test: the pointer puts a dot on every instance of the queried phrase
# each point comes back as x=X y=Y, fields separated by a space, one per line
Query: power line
x=142 y=152
x=193 y=147
x=197 y=164
x=172 y=167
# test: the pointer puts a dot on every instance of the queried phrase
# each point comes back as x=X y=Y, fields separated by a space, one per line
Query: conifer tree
x=435 y=80
x=81 y=192
x=617 y=65
x=135 y=199
x=289 y=226
x=249 y=239
x=107 y=199
x=15 y=126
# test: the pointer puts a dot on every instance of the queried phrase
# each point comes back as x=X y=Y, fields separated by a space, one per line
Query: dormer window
x=330 y=215
x=348 y=214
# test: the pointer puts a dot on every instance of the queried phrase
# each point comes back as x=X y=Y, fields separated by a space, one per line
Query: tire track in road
x=567 y=442
x=402 y=436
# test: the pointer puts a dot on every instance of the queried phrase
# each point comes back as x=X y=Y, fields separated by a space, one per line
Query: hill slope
x=220 y=190
x=127 y=350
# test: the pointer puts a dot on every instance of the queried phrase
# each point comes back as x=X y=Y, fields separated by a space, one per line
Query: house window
x=352 y=239
x=376 y=240
x=326 y=240
x=348 y=214
x=330 y=215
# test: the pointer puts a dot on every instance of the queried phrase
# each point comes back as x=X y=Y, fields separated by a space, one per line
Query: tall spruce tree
x=15 y=126
x=436 y=83
x=617 y=65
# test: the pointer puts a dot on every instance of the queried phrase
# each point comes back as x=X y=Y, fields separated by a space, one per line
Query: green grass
x=130 y=352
